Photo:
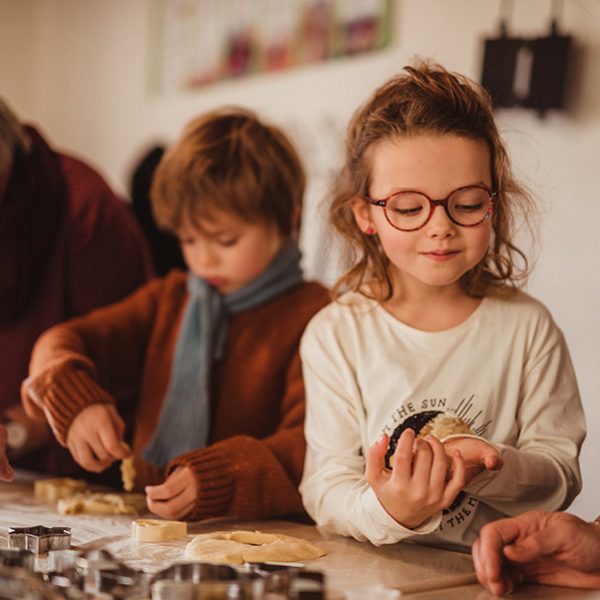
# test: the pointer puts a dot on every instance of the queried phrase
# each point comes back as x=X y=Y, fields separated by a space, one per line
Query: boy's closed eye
x=227 y=242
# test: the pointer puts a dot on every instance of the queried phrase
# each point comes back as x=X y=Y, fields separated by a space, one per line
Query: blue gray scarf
x=185 y=416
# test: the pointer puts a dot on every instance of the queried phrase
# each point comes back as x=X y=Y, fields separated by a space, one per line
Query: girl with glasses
x=439 y=395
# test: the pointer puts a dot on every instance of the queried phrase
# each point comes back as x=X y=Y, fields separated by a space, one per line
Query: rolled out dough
x=100 y=503
x=237 y=547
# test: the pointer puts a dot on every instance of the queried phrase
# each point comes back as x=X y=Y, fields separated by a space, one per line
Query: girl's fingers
x=403 y=456
x=439 y=465
x=422 y=463
x=493 y=461
x=458 y=479
x=375 y=460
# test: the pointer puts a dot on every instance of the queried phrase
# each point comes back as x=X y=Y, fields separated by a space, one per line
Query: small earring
x=369 y=230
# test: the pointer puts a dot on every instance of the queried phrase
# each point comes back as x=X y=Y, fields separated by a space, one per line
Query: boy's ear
x=362 y=215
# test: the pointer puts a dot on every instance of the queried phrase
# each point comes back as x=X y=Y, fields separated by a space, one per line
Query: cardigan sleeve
x=97 y=358
x=251 y=478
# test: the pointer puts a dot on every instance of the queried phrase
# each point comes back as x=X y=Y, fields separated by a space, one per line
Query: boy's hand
x=174 y=498
x=478 y=454
x=416 y=488
x=95 y=437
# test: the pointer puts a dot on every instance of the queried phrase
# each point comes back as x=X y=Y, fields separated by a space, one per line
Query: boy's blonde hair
x=427 y=99
x=229 y=160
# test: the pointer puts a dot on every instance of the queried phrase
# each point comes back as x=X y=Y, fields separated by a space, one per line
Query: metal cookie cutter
x=16 y=557
x=39 y=539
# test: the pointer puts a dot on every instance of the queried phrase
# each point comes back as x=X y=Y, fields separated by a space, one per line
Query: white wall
x=80 y=70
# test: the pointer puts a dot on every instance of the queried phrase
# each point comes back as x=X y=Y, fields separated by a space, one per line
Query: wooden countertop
x=349 y=566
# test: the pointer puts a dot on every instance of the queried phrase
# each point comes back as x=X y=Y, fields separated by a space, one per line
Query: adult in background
x=552 y=548
x=67 y=246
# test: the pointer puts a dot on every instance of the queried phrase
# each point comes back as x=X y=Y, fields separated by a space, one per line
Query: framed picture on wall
x=198 y=42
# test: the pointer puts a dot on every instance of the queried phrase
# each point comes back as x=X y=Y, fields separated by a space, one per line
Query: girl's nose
x=440 y=224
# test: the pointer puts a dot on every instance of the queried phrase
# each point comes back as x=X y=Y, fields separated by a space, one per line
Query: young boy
x=199 y=373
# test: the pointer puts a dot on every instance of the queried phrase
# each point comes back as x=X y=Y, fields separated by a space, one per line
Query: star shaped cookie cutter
x=39 y=539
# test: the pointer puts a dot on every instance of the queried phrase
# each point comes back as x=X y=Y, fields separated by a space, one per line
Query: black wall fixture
x=527 y=72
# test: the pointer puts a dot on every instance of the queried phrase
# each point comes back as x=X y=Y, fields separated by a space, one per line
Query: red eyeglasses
x=466 y=206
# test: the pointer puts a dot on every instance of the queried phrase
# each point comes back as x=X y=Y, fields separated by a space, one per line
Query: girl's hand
x=95 y=437
x=174 y=498
x=416 y=488
x=478 y=455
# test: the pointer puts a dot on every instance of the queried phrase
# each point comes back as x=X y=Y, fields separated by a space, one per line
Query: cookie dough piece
x=218 y=551
x=128 y=473
x=254 y=538
x=156 y=530
x=441 y=426
x=50 y=490
x=100 y=503
x=225 y=547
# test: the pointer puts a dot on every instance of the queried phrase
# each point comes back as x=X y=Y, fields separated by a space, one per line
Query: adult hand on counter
x=174 y=498
x=6 y=472
x=95 y=437
x=538 y=547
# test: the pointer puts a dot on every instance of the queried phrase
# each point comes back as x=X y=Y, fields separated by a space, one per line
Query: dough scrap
x=100 y=503
x=226 y=547
x=441 y=426
x=51 y=490
x=128 y=473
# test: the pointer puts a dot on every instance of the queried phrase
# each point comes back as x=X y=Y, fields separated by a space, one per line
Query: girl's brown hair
x=229 y=160
x=427 y=99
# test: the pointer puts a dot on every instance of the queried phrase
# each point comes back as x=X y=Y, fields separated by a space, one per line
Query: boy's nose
x=206 y=257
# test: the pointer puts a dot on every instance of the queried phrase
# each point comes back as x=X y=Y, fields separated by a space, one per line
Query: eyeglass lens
x=410 y=210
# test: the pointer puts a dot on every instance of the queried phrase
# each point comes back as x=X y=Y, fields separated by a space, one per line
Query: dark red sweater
x=95 y=256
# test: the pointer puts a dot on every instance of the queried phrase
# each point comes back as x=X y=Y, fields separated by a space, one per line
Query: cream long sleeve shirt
x=505 y=372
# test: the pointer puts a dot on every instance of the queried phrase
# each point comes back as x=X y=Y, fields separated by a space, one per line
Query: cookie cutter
x=17 y=557
x=39 y=539
x=196 y=572
x=205 y=580
x=101 y=575
x=62 y=560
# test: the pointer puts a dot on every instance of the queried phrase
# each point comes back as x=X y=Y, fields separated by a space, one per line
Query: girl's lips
x=441 y=255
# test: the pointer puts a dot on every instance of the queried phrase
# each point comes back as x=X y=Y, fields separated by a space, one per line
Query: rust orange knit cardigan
x=122 y=354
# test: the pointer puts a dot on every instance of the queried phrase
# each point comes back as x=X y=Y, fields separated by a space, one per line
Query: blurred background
x=107 y=80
